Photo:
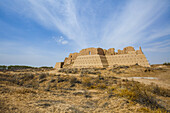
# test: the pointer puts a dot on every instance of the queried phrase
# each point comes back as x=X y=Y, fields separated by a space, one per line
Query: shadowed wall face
x=59 y=65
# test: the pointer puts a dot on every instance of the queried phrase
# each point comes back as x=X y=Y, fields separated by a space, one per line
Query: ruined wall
x=92 y=51
x=141 y=60
x=71 y=58
x=89 y=51
x=91 y=57
x=105 y=51
x=59 y=65
x=120 y=52
x=127 y=49
x=90 y=61
x=127 y=59
x=110 y=51
x=98 y=57
x=128 y=56
x=100 y=51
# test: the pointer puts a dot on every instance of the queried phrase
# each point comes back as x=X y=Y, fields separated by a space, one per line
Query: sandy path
x=160 y=83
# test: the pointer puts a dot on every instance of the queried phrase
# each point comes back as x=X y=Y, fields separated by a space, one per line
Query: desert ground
x=128 y=89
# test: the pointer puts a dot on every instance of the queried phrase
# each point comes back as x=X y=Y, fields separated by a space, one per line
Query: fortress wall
x=92 y=51
x=110 y=51
x=105 y=51
x=141 y=60
x=73 y=56
x=98 y=57
x=90 y=61
x=123 y=59
x=100 y=51
x=127 y=49
x=67 y=61
x=120 y=51
x=59 y=65
x=104 y=61
x=127 y=59
x=89 y=51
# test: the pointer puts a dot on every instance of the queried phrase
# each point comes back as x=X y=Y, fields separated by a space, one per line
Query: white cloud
x=64 y=42
x=85 y=23
x=61 y=15
x=157 y=34
x=128 y=23
x=131 y=25
x=60 y=40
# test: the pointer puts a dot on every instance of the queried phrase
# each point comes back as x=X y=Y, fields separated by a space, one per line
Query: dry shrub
x=42 y=75
x=43 y=80
x=54 y=86
x=27 y=77
x=86 y=81
x=87 y=94
x=48 y=87
x=102 y=86
x=147 y=110
x=4 y=108
x=89 y=71
x=8 y=79
x=159 y=90
x=127 y=93
x=32 y=85
x=69 y=70
x=24 y=91
x=62 y=79
x=110 y=91
x=73 y=81
x=92 y=87
x=52 y=80
x=138 y=92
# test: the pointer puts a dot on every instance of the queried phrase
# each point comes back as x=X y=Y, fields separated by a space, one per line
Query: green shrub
x=3 y=67
x=166 y=63
x=46 y=67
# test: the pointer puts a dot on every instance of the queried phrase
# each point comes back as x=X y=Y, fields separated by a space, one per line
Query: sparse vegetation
x=23 y=68
x=84 y=91
x=166 y=63
x=2 y=67
x=69 y=70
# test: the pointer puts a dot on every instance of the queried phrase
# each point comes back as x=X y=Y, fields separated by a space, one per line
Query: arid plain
x=117 y=89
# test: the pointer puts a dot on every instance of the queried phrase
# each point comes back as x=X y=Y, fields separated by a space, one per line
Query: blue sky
x=42 y=32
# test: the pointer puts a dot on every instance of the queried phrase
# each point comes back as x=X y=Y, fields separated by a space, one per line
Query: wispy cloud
x=101 y=23
x=60 y=40
x=133 y=23
x=161 y=46
x=57 y=15
x=125 y=24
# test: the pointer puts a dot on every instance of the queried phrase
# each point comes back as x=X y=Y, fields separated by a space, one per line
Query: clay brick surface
x=98 y=57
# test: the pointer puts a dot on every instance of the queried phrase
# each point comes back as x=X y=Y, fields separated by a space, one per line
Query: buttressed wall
x=98 y=57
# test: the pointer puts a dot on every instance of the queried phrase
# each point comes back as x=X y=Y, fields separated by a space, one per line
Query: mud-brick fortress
x=102 y=58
